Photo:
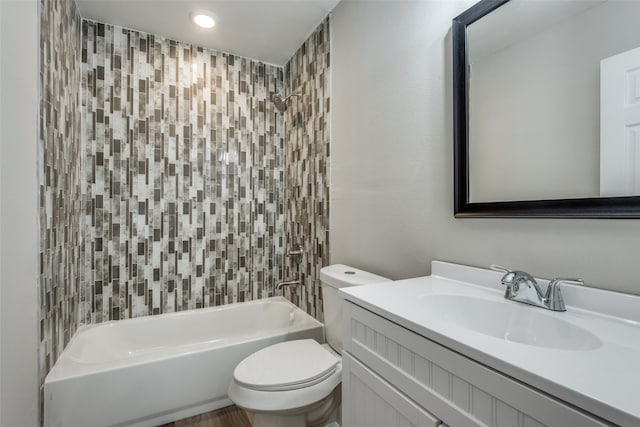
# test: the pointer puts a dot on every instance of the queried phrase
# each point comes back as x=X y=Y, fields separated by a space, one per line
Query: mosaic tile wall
x=183 y=193
x=59 y=172
x=307 y=168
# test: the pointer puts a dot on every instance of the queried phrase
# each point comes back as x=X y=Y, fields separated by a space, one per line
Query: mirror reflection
x=554 y=100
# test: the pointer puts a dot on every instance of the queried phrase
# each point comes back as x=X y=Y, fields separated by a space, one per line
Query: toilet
x=297 y=383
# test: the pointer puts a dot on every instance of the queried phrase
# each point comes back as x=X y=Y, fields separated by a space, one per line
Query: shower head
x=278 y=102
x=281 y=104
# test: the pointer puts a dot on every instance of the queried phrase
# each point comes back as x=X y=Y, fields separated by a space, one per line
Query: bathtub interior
x=167 y=334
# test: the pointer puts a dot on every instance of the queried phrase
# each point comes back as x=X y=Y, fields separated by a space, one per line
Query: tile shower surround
x=169 y=194
x=60 y=179
x=183 y=176
x=307 y=166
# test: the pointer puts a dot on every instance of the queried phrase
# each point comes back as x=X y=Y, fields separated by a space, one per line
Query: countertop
x=603 y=381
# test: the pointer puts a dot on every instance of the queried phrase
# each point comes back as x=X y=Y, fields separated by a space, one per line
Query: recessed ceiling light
x=203 y=19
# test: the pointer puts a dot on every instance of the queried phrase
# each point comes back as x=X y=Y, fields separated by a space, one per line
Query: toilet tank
x=333 y=278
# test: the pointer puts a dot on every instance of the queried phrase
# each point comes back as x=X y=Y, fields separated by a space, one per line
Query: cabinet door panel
x=369 y=401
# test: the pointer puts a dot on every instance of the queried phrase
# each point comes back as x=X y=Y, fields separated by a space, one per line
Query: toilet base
x=269 y=420
x=326 y=413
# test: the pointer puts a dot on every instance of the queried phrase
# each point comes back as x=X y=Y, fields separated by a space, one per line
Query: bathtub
x=153 y=370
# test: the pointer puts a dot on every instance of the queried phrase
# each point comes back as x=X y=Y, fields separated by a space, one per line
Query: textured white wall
x=392 y=162
x=18 y=221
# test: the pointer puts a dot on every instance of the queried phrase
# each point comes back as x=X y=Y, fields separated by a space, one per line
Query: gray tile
x=307 y=153
x=164 y=185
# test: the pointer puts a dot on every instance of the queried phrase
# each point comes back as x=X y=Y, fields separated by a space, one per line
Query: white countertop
x=604 y=381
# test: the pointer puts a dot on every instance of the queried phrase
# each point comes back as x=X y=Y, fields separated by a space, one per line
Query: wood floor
x=231 y=416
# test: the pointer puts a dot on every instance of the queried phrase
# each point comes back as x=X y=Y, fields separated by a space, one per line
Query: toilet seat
x=290 y=365
x=273 y=380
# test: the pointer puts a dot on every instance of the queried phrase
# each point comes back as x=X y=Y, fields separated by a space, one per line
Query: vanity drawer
x=369 y=401
x=454 y=388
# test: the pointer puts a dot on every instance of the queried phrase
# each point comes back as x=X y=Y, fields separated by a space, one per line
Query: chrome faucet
x=522 y=287
x=554 y=300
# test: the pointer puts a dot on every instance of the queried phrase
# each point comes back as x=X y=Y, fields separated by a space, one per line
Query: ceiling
x=267 y=30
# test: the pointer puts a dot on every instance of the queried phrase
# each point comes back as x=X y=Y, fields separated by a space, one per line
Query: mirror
x=547 y=109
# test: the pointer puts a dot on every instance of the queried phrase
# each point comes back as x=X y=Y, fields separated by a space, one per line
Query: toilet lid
x=286 y=366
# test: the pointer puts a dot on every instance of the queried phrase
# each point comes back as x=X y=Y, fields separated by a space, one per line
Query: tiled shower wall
x=59 y=170
x=307 y=167
x=183 y=178
x=163 y=184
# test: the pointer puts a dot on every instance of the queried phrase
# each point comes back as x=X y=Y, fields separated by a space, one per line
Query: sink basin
x=511 y=321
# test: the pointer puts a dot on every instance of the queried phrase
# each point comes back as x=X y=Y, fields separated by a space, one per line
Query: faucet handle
x=512 y=277
x=520 y=284
x=509 y=275
x=501 y=269
x=558 y=281
x=553 y=298
x=507 y=280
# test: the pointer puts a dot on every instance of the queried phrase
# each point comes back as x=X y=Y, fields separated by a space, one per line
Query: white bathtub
x=153 y=370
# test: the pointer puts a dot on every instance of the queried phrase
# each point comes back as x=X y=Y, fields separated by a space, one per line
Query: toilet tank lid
x=340 y=275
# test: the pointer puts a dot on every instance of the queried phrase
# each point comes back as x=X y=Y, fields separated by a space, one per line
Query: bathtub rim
x=66 y=363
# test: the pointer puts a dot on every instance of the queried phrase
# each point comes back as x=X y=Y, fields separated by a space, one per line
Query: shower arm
x=281 y=104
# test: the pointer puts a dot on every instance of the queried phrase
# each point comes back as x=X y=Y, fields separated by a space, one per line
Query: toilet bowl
x=297 y=383
x=294 y=383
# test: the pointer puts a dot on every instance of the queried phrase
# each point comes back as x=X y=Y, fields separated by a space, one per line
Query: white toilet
x=297 y=383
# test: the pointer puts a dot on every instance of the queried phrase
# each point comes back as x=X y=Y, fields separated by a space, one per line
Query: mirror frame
x=593 y=207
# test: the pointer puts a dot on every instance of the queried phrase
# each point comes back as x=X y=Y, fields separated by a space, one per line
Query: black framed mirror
x=496 y=173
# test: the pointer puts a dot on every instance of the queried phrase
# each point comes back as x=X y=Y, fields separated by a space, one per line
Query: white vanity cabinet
x=395 y=377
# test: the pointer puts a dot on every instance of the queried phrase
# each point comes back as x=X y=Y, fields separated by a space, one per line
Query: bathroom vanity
x=448 y=349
